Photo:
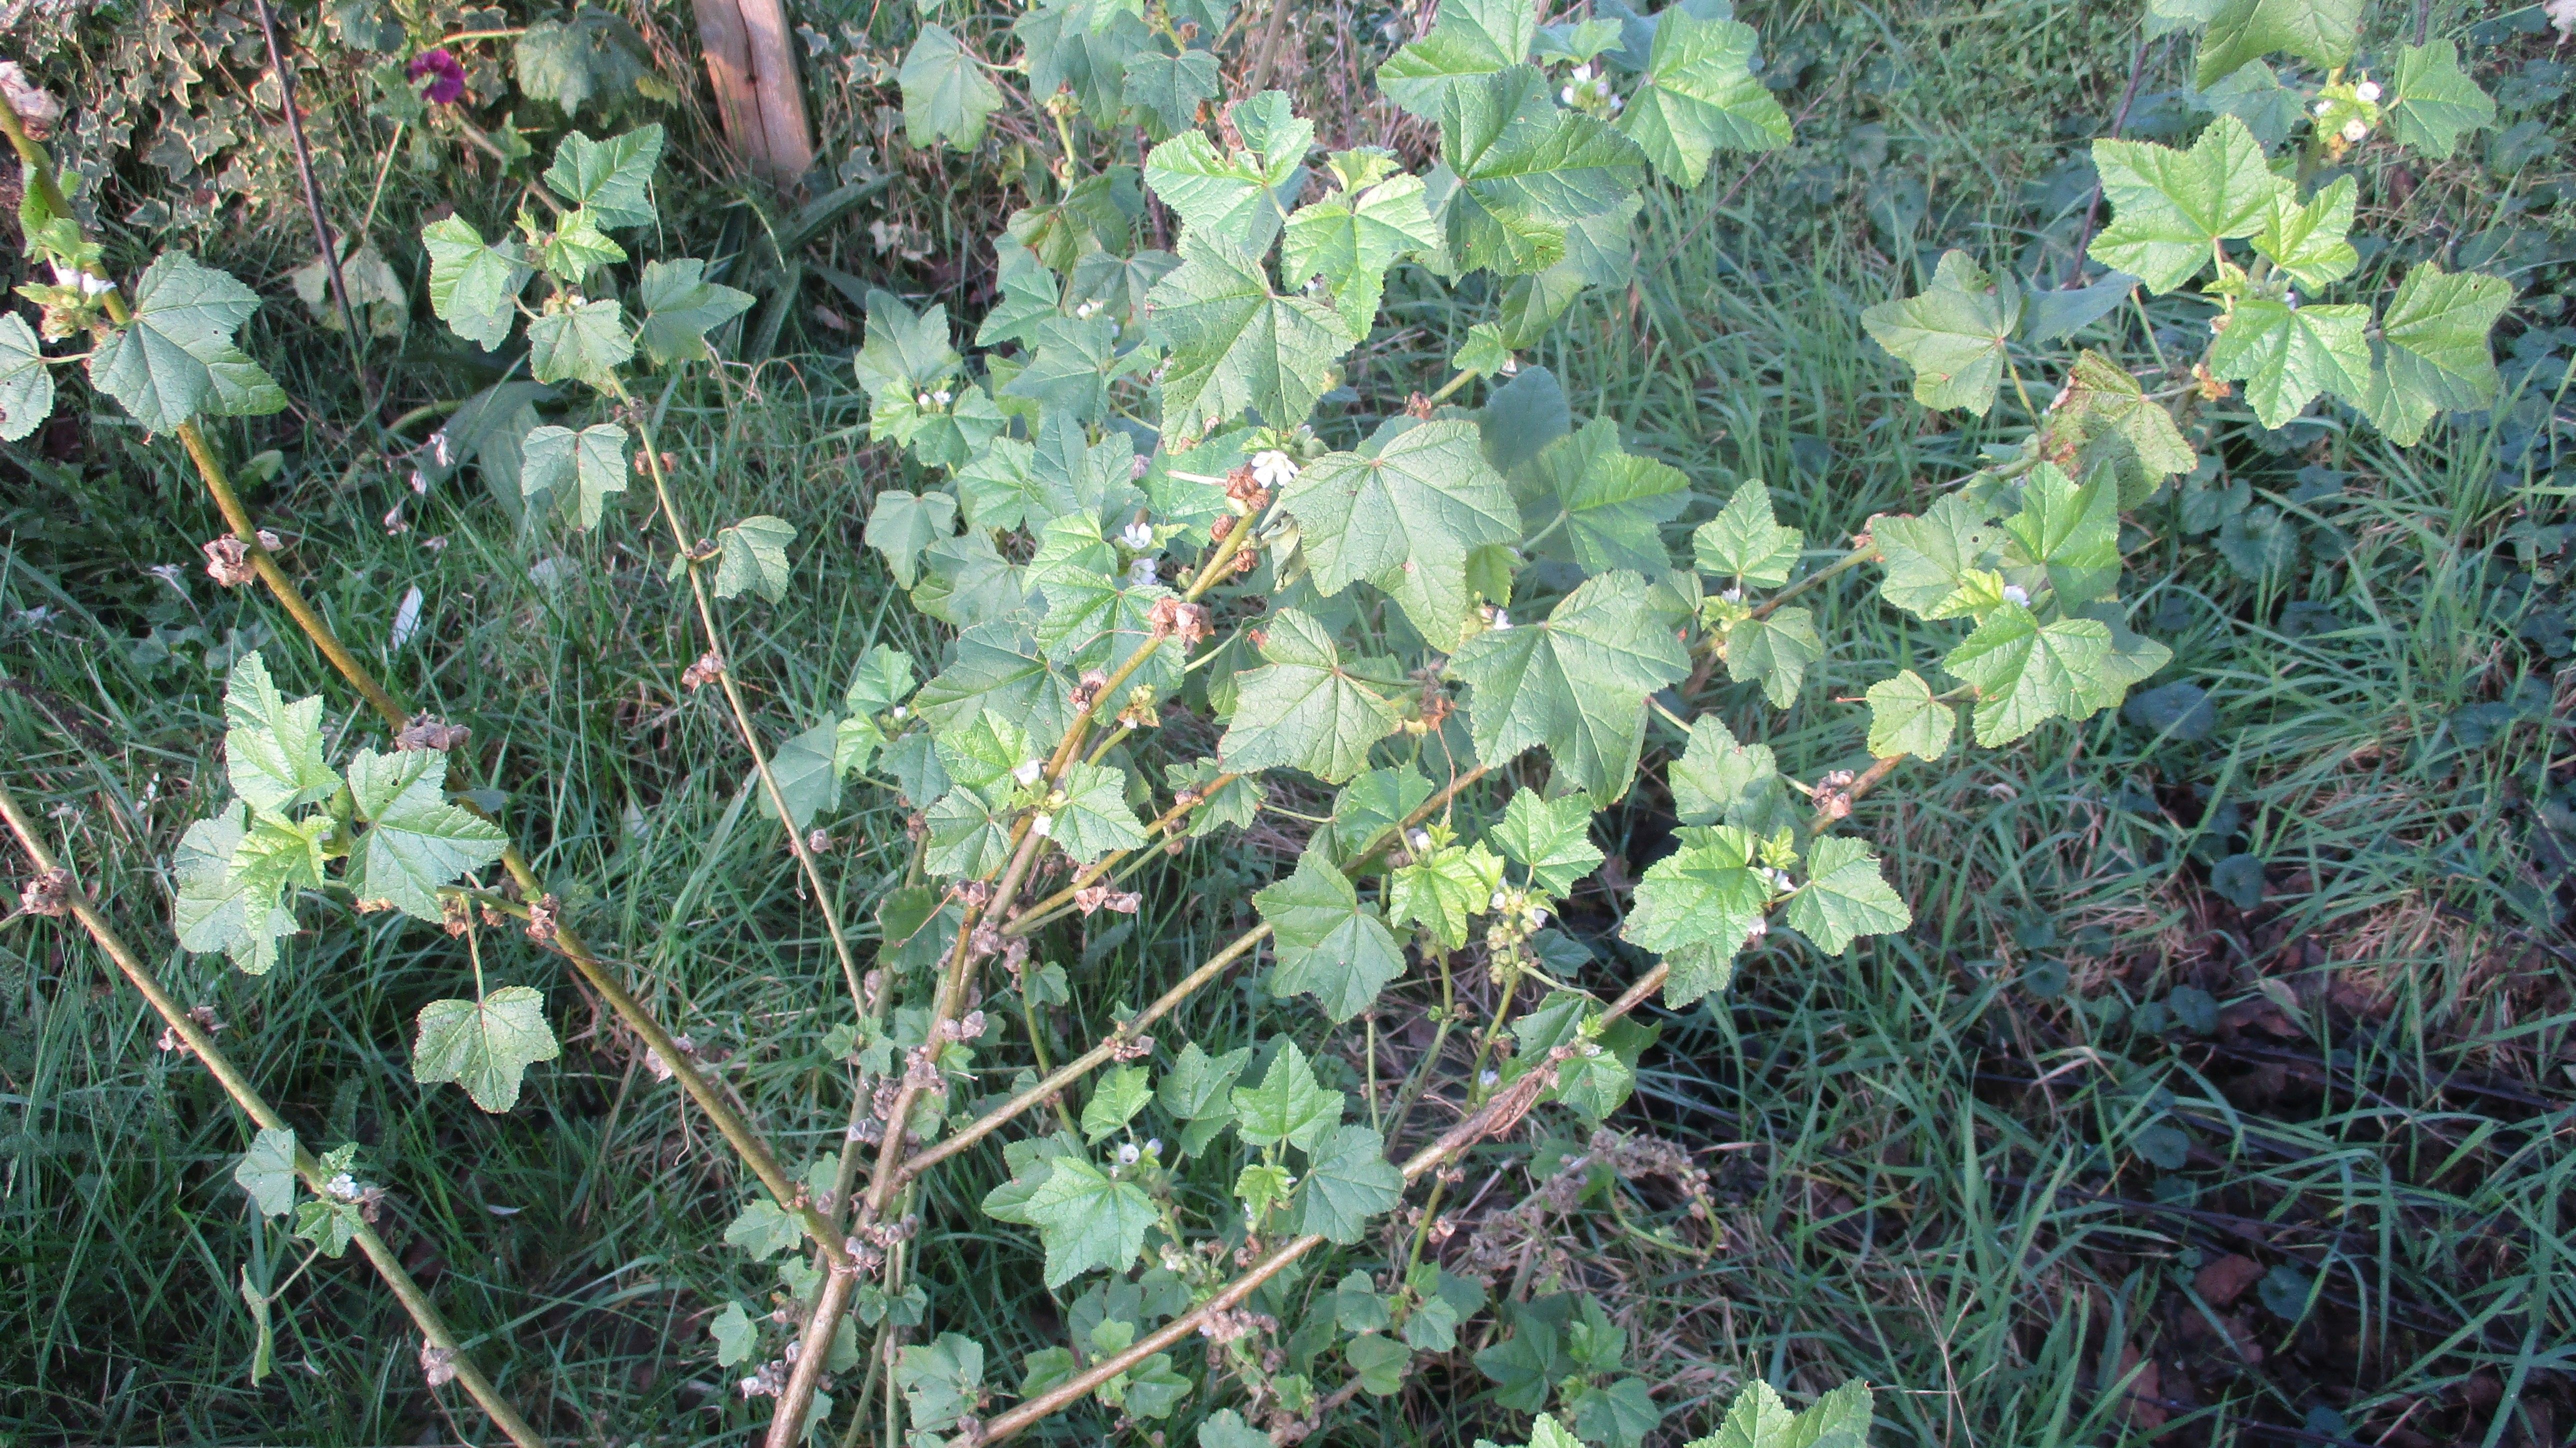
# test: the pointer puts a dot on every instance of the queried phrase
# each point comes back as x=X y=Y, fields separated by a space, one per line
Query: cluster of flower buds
x=1589 y=90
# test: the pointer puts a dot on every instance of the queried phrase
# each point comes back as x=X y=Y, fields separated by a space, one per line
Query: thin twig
x=312 y=188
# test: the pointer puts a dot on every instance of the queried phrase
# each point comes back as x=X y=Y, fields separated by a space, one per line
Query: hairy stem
x=424 y=1314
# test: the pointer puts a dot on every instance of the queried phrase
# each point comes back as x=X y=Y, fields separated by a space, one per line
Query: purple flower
x=444 y=73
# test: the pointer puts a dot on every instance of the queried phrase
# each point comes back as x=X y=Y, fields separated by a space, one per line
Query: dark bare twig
x=312 y=189
x=2093 y=207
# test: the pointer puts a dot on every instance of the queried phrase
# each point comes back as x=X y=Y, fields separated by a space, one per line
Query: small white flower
x=2324 y=106
x=1272 y=468
x=2368 y=91
x=1618 y=104
x=1043 y=826
x=1734 y=595
x=2290 y=299
x=943 y=397
x=1760 y=929
x=1488 y=1077
x=406 y=619
x=1138 y=535
x=2355 y=129
x=1139 y=467
x=1566 y=95
x=1497 y=902
x=1141 y=573
x=1583 y=72
x=1028 y=771
x=1511 y=366
x=1127 y=1153
x=1153 y=1146
x=1420 y=840
x=1502 y=621
x=343 y=1186
x=1083 y=313
x=921 y=400
x=1537 y=916
x=2015 y=593
x=898 y=713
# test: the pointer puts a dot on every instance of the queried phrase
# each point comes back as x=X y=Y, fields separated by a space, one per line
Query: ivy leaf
x=1093 y=818
x=1237 y=344
x=754 y=557
x=1954 y=335
x=2065 y=537
x=1231 y=196
x=1613 y=504
x=272 y=748
x=2027 y=672
x=2286 y=355
x=2435 y=102
x=1905 y=718
x=1700 y=96
x=946 y=94
x=1698 y=906
x=681 y=306
x=216 y=907
x=2434 y=354
x=1721 y=781
x=1288 y=1105
x=901 y=524
x=1087 y=1219
x=1330 y=946
x=577 y=469
x=474 y=287
x=485 y=1046
x=1773 y=651
x=1551 y=839
x=1526 y=170
x=1576 y=683
x=26 y=384
x=2169 y=206
x=1845 y=897
x=1348 y=1180
x=1443 y=890
x=267 y=1171
x=1352 y=237
x=2306 y=239
x=176 y=359
x=611 y=179
x=1171 y=86
x=415 y=841
x=1403 y=513
x=1121 y=1093
x=2244 y=30
x=587 y=343
x=1304 y=708
x=1744 y=542
x=1928 y=559
x=735 y=1337
x=1473 y=40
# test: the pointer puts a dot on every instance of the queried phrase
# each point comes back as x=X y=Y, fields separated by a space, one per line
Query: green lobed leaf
x=1087 y=1219
x=1305 y=708
x=272 y=748
x=1288 y=1106
x=1955 y=335
x=578 y=470
x=1403 y=513
x=26 y=383
x=585 y=342
x=1721 y=781
x=1928 y=559
x=1700 y=96
x=1353 y=236
x=1550 y=839
x=2106 y=417
x=2246 y=30
x=2434 y=352
x=484 y=1046
x=1576 y=683
x=2168 y=207
x=946 y=95
x=1613 y=504
x=267 y=1171
x=415 y=840
x=1237 y=344
x=735 y=1336
x=2286 y=355
x=2027 y=672
x=901 y=524
x=2065 y=537
x=763 y=1230
x=1473 y=40
x=2306 y=240
x=1093 y=818
x=215 y=907
x=1773 y=651
x=1231 y=195
x=176 y=360
x=1526 y=170
x=474 y=286
x=753 y=557
x=1845 y=897
x=681 y=307
x=1329 y=945
x=1744 y=542
x=611 y=179
x=1758 y=1419
x=1171 y=86
x=1906 y=719
x=942 y=1381
x=1698 y=906
x=1348 y=1180
x=1442 y=890
x=2433 y=103
x=807 y=768
x=1120 y=1093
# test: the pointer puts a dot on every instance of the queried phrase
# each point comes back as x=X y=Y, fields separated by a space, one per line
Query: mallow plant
x=1195 y=567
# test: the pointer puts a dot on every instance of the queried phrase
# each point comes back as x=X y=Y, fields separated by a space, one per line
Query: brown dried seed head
x=708 y=669
x=48 y=894
x=228 y=561
x=542 y=916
